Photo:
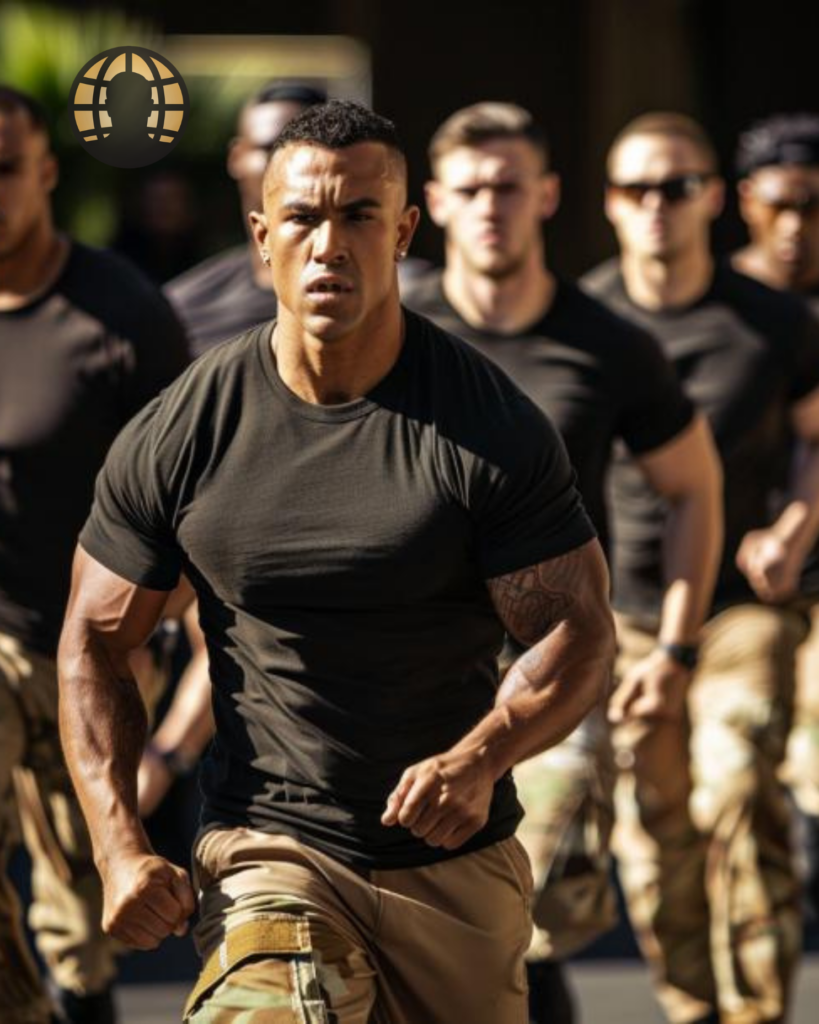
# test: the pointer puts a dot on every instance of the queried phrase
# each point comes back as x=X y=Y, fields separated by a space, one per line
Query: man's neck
x=505 y=305
x=752 y=262
x=667 y=284
x=341 y=370
x=33 y=267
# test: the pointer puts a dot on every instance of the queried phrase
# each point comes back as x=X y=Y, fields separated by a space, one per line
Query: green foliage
x=41 y=50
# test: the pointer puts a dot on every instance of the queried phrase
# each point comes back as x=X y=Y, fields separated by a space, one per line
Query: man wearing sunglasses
x=600 y=380
x=778 y=167
x=702 y=820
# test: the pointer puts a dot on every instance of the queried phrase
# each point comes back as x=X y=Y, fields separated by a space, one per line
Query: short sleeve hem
x=522 y=556
x=650 y=440
x=151 y=576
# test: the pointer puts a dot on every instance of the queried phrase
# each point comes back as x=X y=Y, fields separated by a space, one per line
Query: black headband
x=779 y=141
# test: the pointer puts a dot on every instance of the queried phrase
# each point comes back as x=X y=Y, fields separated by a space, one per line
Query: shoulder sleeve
x=161 y=350
x=129 y=528
x=654 y=409
x=522 y=494
x=806 y=356
x=147 y=345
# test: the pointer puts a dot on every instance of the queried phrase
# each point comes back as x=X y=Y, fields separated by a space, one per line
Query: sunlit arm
x=559 y=611
x=102 y=727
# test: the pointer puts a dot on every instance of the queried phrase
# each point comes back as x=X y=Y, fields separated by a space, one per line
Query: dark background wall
x=582 y=66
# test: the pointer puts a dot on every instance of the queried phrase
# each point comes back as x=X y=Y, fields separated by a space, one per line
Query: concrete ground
x=607 y=991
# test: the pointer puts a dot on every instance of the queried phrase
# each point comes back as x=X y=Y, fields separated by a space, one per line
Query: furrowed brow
x=361 y=204
x=299 y=206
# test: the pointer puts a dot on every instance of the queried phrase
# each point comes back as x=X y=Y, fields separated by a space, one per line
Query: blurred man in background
x=86 y=341
x=703 y=823
x=778 y=167
x=600 y=380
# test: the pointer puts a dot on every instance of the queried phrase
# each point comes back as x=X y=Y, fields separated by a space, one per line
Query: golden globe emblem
x=129 y=106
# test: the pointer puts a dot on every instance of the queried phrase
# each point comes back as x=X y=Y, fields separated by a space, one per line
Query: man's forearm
x=102 y=726
x=798 y=524
x=693 y=543
x=545 y=695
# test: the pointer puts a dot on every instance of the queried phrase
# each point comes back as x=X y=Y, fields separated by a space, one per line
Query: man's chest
x=58 y=375
x=729 y=370
x=334 y=515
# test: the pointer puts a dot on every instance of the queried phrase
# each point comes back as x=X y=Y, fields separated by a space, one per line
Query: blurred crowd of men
x=686 y=389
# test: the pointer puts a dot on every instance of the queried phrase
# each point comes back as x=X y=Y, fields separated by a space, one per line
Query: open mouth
x=322 y=289
x=328 y=286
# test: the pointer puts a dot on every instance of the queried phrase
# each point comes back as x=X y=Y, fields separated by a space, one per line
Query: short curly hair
x=337 y=125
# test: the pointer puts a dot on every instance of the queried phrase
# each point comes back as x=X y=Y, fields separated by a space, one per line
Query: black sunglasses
x=806 y=204
x=673 y=190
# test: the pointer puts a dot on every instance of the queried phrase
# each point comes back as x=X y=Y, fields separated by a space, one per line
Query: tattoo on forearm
x=532 y=601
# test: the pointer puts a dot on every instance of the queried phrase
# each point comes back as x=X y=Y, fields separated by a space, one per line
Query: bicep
x=119 y=613
x=531 y=602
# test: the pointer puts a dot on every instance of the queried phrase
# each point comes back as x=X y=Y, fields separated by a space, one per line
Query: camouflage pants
x=567 y=795
x=37 y=804
x=801 y=768
x=290 y=936
x=703 y=824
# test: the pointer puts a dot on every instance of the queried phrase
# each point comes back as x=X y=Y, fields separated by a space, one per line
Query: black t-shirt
x=75 y=365
x=744 y=354
x=595 y=376
x=340 y=555
x=220 y=298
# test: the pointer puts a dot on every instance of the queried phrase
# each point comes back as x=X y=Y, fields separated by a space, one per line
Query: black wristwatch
x=687 y=655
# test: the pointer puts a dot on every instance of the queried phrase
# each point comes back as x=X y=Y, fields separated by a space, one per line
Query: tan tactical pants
x=703 y=825
x=290 y=936
x=37 y=798
x=567 y=795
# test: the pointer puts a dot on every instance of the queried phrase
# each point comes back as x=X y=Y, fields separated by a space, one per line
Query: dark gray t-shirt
x=595 y=375
x=220 y=298
x=744 y=353
x=75 y=365
x=340 y=555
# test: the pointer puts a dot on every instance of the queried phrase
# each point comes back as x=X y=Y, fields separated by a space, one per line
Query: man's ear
x=259 y=230
x=406 y=228
x=51 y=172
x=745 y=197
x=435 y=195
x=550 y=195
x=609 y=201
x=716 y=197
x=234 y=157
